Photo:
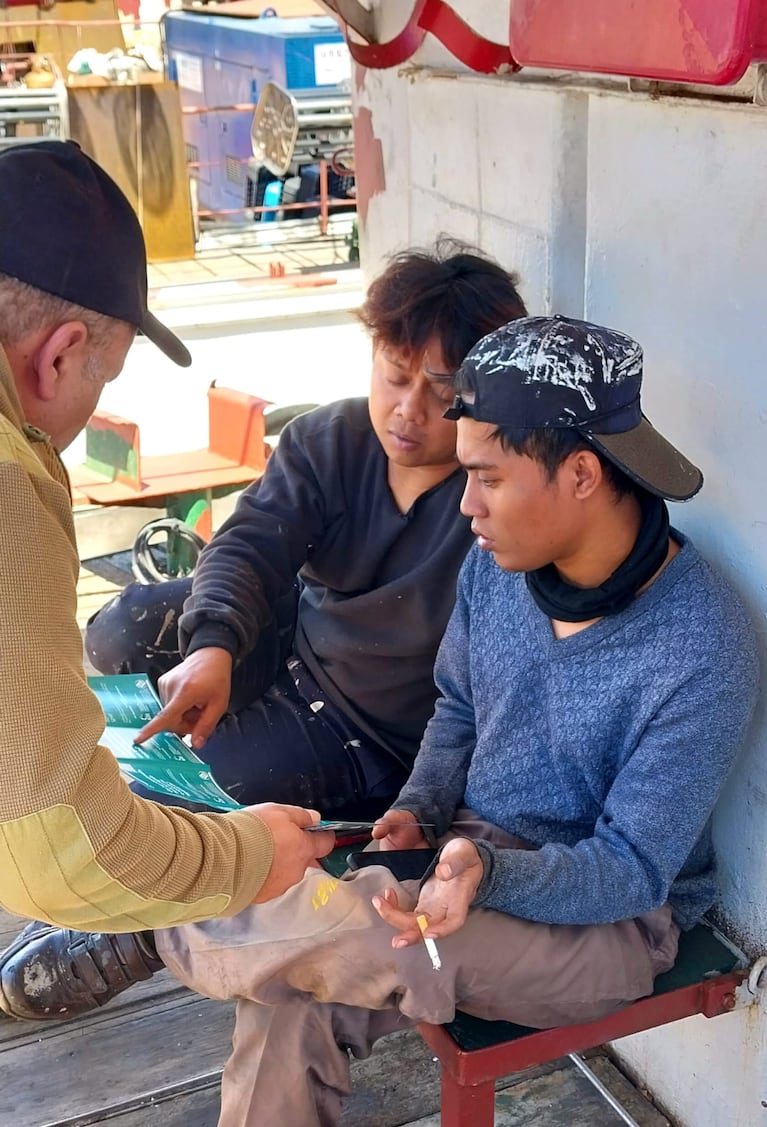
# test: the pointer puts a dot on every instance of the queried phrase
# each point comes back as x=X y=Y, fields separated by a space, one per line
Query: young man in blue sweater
x=595 y=680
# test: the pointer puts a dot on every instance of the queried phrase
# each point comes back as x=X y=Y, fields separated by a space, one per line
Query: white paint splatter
x=37 y=980
x=554 y=358
x=167 y=622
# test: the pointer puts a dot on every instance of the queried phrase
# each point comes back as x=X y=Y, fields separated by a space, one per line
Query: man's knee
x=137 y=632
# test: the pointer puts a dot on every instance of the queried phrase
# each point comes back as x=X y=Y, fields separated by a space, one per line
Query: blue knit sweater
x=605 y=750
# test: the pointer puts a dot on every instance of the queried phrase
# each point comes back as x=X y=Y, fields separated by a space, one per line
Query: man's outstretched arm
x=76 y=846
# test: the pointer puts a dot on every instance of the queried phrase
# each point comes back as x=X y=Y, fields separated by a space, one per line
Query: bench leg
x=194 y=509
x=467 y=1105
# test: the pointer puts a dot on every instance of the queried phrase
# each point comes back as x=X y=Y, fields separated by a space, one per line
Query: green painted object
x=701 y=955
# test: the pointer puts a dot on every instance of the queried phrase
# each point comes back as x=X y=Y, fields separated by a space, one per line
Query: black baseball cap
x=66 y=228
x=540 y=372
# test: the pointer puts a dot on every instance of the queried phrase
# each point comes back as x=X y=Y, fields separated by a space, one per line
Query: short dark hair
x=24 y=308
x=453 y=293
x=550 y=446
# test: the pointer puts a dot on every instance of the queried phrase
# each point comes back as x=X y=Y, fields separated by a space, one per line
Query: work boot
x=51 y=973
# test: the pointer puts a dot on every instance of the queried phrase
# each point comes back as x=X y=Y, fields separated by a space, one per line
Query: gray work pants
x=315 y=975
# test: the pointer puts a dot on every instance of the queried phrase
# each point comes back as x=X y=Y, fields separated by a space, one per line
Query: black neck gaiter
x=562 y=601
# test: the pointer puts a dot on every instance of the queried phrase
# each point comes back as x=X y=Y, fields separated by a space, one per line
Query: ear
x=61 y=351
x=587 y=474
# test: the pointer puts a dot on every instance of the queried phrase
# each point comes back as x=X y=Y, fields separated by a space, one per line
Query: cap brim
x=165 y=340
x=651 y=461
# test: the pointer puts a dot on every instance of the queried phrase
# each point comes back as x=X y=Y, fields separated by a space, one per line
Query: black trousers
x=282 y=739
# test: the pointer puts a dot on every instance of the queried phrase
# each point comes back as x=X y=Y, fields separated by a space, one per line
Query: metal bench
x=116 y=473
x=708 y=979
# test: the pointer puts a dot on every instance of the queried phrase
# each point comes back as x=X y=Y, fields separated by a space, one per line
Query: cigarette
x=431 y=946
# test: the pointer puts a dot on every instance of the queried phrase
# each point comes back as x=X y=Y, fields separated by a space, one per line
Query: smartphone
x=341 y=827
x=404 y=864
x=354 y=827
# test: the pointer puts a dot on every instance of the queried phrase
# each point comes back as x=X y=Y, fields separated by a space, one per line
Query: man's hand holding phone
x=294 y=849
x=399 y=829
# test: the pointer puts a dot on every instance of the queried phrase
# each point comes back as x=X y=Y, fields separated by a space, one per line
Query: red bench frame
x=468 y=1077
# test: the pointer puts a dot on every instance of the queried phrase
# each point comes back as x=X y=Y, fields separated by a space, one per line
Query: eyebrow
x=479 y=465
x=396 y=355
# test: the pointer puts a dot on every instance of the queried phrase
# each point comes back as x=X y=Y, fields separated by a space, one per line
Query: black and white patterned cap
x=540 y=372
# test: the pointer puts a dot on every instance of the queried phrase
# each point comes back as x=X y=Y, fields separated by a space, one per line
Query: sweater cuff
x=212 y=634
x=256 y=848
x=487 y=857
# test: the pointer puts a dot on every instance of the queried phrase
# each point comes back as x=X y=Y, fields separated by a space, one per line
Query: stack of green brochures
x=165 y=763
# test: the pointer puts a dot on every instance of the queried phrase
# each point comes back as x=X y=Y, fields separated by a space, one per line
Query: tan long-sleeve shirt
x=77 y=848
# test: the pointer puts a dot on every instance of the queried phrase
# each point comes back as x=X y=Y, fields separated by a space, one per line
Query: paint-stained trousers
x=316 y=977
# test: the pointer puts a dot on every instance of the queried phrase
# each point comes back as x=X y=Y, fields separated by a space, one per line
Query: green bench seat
x=473 y=1053
x=701 y=956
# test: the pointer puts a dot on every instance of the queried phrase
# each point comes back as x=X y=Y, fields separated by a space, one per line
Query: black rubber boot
x=52 y=973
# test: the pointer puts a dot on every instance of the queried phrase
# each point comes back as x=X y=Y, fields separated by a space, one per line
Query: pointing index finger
x=157 y=724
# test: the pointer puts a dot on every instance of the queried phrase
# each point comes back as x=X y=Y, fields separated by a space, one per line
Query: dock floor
x=153 y=1058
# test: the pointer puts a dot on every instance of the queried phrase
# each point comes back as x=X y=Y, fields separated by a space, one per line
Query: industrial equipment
x=222 y=64
x=33 y=100
x=289 y=135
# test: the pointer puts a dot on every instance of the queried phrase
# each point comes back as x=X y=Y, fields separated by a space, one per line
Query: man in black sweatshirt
x=311 y=627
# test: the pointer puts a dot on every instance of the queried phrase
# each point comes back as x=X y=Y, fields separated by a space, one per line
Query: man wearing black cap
x=76 y=846
x=596 y=678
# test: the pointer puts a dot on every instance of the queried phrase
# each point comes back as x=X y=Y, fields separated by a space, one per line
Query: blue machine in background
x=226 y=61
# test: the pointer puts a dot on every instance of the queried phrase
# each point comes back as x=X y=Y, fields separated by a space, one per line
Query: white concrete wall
x=647 y=215
x=499 y=166
x=676 y=247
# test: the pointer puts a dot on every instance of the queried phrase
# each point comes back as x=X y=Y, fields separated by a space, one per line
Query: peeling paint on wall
x=368 y=162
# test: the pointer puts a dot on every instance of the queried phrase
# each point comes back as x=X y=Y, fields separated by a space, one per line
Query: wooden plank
x=93 y=592
x=397 y=1083
x=167 y=476
x=139 y=1000
x=195 y=1105
x=85 y=1068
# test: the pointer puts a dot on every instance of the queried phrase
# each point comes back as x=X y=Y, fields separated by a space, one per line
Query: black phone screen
x=404 y=864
